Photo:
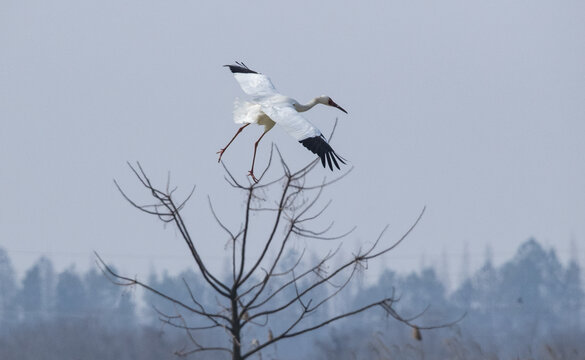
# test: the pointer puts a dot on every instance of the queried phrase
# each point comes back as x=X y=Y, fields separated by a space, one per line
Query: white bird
x=268 y=107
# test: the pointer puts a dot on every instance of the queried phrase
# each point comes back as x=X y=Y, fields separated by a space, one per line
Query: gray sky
x=475 y=109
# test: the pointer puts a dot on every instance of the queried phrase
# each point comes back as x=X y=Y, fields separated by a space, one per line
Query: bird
x=268 y=108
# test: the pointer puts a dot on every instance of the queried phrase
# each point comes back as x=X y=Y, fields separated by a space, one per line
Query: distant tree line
x=529 y=307
x=44 y=295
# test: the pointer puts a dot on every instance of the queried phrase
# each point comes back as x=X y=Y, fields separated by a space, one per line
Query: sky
x=473 y=109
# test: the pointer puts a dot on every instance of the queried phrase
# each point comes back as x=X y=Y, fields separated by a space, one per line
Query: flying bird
x=268 y=107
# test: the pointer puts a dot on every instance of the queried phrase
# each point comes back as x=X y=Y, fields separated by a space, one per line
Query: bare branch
x=219 y=222
x=259 y=288
x=244 y=237
x=129 y=282
x=174 y=215
x=168 y=319
x=356 y=259
x=288 y=334
x=272 y=233
x=312 y=269
x=401 y=238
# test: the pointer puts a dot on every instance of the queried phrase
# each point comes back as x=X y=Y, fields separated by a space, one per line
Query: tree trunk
x=236 y=348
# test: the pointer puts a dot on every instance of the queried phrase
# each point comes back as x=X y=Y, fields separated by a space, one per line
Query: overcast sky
x=474 y=109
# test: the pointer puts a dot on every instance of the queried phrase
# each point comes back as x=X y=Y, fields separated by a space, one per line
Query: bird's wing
x=301 y=129
x=254 y=84
x=318 y=145
x=293 y=123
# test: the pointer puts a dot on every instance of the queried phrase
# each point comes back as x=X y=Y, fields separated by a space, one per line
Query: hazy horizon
x=474 y=110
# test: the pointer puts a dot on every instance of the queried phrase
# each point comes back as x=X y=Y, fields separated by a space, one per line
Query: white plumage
x=268 y=108
x=246 y=112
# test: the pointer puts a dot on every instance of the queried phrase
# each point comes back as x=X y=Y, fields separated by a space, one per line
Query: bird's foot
x=251 y=173
x=220 y=152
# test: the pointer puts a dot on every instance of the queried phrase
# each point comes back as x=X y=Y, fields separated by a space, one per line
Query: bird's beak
x=340 y=108
x=332 y=103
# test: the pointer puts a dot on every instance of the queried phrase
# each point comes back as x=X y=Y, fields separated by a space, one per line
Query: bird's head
x=326 y=100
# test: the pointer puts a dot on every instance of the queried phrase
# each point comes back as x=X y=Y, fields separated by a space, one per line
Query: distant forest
x=531 y=307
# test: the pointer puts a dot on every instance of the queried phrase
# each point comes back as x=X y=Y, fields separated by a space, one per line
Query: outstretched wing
x=301 y=129
x=318 y=145
x=254 y=84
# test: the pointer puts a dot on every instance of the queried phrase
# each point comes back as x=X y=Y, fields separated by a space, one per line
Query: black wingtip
x=319 y=146
x=241 y=68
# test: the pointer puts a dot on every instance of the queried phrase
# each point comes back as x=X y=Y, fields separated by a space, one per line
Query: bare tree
x=259 y=287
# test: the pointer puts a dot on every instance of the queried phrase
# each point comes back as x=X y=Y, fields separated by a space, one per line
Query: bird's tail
x=246 y=112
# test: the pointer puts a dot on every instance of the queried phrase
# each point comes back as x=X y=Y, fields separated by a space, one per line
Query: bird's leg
x=220 y=152
x=251 y=173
